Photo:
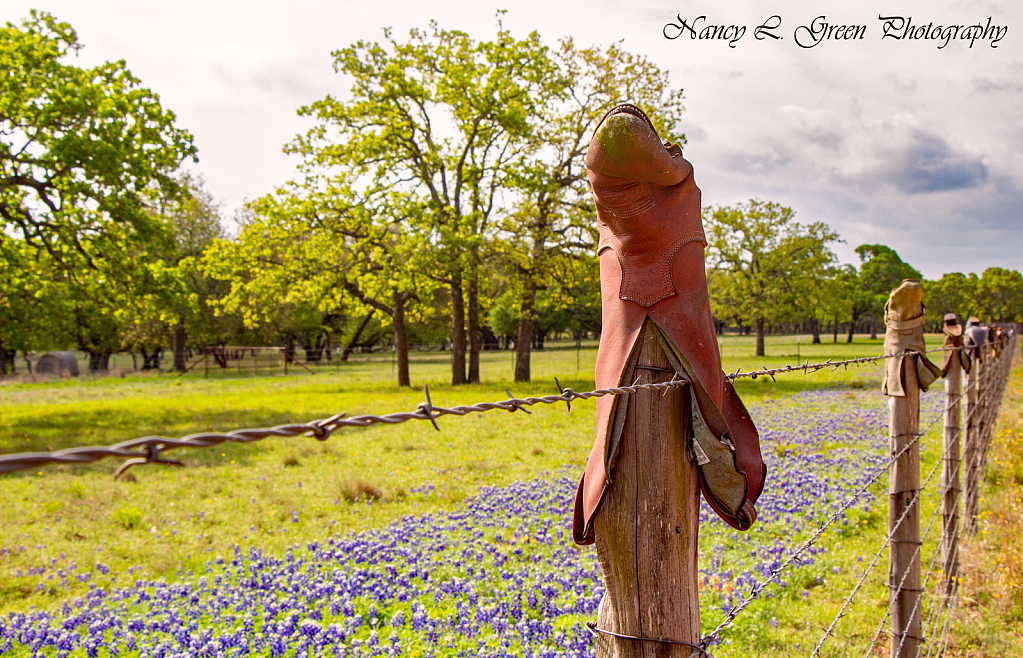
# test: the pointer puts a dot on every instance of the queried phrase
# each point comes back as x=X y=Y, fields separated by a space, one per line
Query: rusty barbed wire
x=808 y=367
x=150 y=449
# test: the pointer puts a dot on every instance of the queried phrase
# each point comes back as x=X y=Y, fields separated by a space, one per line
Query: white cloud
x=895 y=142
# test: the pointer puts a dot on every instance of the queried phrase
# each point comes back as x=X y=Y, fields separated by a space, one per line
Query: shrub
x=127 y=517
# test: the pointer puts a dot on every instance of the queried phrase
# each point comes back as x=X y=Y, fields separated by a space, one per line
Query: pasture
x=406 y=540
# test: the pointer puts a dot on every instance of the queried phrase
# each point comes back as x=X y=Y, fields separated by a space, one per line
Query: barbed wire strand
x=950 y=603
x=937 y=608
x=934 y=611
x=808 y=367
x=147 y=450
x=952 y=607
x=150 y=449
x=923 y=588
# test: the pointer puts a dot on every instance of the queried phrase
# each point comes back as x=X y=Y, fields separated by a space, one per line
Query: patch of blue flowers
x=499 y=576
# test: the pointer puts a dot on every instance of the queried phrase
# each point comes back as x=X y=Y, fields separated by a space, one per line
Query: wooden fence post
x=999 y=371
x=904 y=487
x=950 y=476
x=992 y=403
x=983 y=422
x=973 y=438
x=646 y=531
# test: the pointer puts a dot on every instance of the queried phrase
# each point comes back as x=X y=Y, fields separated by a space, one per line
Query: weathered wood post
x=905 y=376
x=955 y=359
x=983 y=422
x=904 y=479
x=1000 y=362
x=655 y=449
x=975 y=339
x=647 y=528
x=993 y=397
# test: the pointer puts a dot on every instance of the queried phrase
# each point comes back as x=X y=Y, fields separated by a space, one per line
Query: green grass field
x=162 y=521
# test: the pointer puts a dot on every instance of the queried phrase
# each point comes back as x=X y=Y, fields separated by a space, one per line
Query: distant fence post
x=950 y=472
x=971 y=448
x=994 y=388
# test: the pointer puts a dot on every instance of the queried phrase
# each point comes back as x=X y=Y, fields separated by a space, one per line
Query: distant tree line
x=443 y=201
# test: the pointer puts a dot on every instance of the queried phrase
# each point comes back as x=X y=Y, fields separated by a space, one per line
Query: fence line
x=923 y=587
x=986 y=387
x=887 y=541
x=150 y=449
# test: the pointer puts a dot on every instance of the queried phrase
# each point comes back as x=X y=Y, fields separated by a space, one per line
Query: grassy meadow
x=59 y=523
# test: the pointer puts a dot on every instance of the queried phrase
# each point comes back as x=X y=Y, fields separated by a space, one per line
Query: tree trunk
x=178 y=345
x=852 y=328
x=835 y=329
x=474 y=325
x=873 y=328
x=815 y=327
x=457 y=331
x=99 y=361
x=524 y=338
x=350 y=347
x=400 y=337
x=759 y=323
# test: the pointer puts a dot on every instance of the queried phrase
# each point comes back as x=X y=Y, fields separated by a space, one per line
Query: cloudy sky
x=913 y=143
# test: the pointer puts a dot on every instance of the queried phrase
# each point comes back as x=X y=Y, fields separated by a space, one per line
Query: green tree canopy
x=881 y=271
x=765 y=261
x=438 y=119
x=83 y=152
x=553 y=218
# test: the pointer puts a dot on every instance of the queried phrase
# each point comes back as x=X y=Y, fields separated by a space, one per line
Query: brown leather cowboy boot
x=651 y=254
x=953 y=345
x=976 y=335
x=904 y=319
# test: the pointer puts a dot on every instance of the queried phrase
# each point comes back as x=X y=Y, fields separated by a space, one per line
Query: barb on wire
x=147 y=450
